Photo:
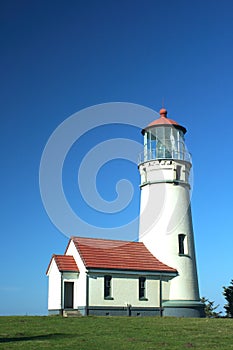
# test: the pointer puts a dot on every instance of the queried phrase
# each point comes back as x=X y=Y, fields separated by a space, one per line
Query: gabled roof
x=115 y=254
x=65 y=263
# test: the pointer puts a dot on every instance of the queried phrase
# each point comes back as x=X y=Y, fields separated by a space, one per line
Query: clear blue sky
x=58 y=57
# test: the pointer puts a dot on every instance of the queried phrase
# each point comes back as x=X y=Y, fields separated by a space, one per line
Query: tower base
x=183 y=308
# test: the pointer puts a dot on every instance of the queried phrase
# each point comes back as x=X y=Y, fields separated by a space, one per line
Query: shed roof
x=116 y=254
x=65 y=263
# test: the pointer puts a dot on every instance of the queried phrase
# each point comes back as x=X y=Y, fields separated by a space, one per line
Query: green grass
x=42 y=332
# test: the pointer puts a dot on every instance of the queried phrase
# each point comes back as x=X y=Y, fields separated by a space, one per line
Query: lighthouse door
x=68 y=295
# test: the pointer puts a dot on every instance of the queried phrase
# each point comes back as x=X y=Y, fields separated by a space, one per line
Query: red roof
x=163 y=120
x=65 y=263
x=115 y=254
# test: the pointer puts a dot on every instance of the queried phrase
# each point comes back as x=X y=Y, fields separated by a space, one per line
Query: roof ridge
x=104 y=239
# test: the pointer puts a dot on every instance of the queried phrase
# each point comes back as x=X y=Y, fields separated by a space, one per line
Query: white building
x=155 y=276
x=107 y=277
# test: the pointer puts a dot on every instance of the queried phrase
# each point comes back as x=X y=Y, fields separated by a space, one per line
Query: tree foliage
x=210 y=308
x=228 y=294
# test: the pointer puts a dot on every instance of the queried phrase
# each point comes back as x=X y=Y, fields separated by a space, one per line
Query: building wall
x=80 y=291
x=166 y=289
x=125 y=290
x=54 y=287
x=71 y=277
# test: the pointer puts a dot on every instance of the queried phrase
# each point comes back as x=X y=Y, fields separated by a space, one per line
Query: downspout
x=87 y=294
x=62 y=304
x=160 y=296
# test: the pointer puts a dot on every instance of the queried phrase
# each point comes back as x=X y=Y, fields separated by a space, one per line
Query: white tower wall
x=165 y=214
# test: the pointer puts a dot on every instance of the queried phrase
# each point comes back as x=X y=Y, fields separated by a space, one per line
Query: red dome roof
x=163 y=120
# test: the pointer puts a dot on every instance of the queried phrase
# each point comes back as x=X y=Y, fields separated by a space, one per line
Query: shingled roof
x=65 y=263
x=115 y=254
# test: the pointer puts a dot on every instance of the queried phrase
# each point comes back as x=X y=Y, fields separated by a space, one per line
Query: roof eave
x=179 y=127
x=69 y=271
x=168 y=273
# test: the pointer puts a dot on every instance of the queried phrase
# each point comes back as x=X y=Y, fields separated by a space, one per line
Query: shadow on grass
x=35 y=337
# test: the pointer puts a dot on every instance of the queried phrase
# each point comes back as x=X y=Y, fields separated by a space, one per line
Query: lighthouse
x=165 y=226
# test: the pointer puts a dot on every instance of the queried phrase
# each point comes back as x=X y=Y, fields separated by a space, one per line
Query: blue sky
x=59 y=57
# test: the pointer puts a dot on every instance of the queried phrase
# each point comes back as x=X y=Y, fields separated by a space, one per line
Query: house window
x=107 y=287
x=182 y=244
x=142 y=288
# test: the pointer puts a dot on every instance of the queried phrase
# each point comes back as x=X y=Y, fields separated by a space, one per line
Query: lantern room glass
x=164 y=142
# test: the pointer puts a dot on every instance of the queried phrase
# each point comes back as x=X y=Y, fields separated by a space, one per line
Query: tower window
x=142 y=288
x=178 y=172
x=107 y=287
x=182 y=244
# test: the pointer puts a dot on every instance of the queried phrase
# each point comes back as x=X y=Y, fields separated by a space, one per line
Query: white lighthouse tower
x=165 y=213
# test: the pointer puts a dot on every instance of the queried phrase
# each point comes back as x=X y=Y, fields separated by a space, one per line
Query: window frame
x=182 y=244
x=142 y=288
x=108 y=287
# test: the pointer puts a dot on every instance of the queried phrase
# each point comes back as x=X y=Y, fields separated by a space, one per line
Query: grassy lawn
x=42 y=332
